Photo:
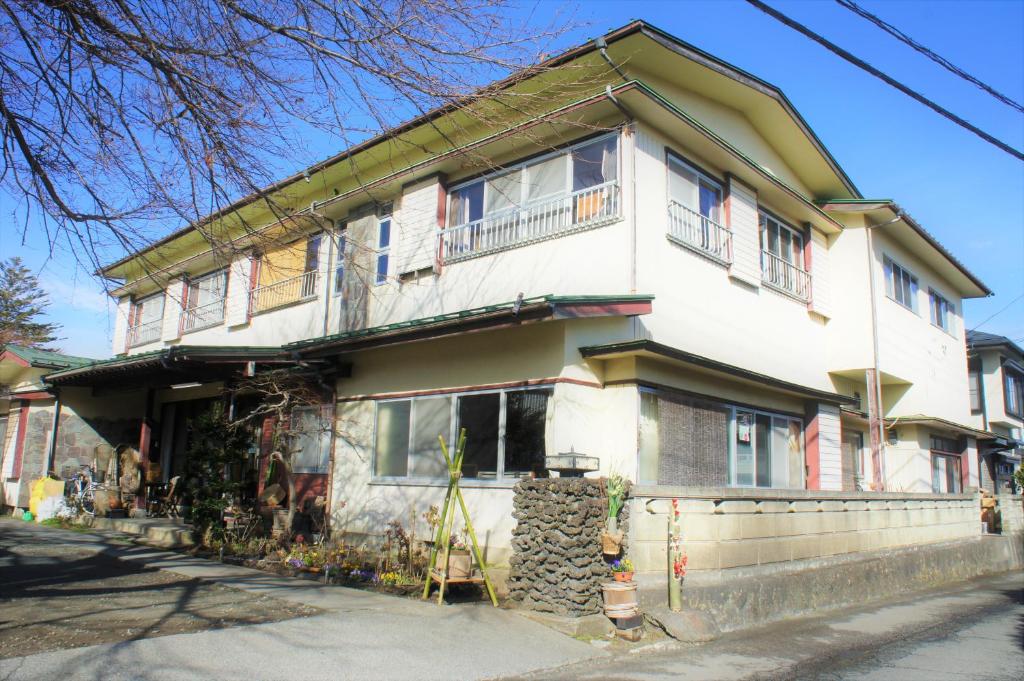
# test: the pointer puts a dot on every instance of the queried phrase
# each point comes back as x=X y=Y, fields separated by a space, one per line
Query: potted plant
x=611 y=539
x=460 y=563
x=622 y=570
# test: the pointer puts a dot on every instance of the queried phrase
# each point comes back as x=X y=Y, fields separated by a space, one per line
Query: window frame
x=763 y=215
x=957 y=462
x=192 y=292
x=521 y=165
x=383 y=251
x=938 y=302
x=134 y=318
x=1012 y=375
x=340 y=242
x=732 y=431
x=889 y=267
x=730 y=453
x=318 y=411
x=975 y=384
x=500 y=478
x=675 y=157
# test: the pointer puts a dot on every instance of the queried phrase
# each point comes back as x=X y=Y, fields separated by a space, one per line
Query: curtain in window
x=467 y=204
x=207 y=290
x=392 y=451
x=282 y=263
x=149 y=310
x=648 y=438
x=547 y=178
x=682 y=185
x=431 y=417
x=594 y=164
x=503 y=192
x=312 y=442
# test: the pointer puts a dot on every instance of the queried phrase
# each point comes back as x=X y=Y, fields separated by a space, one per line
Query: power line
x=856 y=61
x=938 y=59
x=998 y=312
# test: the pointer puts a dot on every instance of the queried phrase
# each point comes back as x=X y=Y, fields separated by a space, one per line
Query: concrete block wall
x=734 y=528
x=1011 y=509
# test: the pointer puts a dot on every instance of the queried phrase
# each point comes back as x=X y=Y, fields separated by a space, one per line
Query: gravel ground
x=54 y=597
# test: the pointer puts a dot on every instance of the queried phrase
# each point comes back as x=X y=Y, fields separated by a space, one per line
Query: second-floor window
x=900 y=285
x=1013 y=387
x=695 y=202
x=782 y=258
x=941 y=311
x=204 y=301
x=146 y=319
x=339 y=266
x=538 y=199
x=288 y=274
x=974 y=385
x=383 y=249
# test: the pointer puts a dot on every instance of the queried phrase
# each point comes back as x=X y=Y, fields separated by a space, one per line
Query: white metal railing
x=785 y=276
x=202 y=316
x=542 y=219
x=699 y=232
x=140 y=334
x=284 y=292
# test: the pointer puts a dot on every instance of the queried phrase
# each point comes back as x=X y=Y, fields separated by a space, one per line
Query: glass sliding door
x=767 y=451
x=744 y=448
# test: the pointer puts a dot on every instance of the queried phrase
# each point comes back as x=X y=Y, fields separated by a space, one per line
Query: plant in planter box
x=460 y=563
x=622 y=570
x=611 y=539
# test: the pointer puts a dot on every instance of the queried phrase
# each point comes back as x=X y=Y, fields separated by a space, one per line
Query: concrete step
x=168 y=533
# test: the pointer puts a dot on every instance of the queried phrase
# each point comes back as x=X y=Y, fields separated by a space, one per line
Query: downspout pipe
x=51 y=454
x=875 y=346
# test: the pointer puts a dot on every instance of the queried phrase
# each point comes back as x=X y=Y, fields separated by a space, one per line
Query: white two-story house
x=663 y=268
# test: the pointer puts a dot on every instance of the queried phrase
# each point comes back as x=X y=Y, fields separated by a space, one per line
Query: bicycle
x=82 y=493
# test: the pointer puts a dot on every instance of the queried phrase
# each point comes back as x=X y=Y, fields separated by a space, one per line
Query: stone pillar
x=557 y=565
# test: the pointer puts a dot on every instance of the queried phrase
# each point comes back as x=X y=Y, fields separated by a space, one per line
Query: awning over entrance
x=170 y=366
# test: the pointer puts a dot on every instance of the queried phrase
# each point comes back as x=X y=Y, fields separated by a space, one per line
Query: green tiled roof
x=463 y=314
x=46 y=359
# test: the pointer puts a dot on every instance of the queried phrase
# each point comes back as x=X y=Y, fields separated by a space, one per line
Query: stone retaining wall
x=557 y=565
x=733 y=528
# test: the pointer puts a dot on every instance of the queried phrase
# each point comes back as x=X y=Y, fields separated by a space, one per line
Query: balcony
x=202 y=316
x=699 y=233
x=785 y=277
x=544 y=219
x=285 y=292
x=141 y=334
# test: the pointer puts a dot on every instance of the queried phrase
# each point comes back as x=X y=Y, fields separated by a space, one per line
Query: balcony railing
x=698 y=232
x=140 y=334
x=285 y=292
x=544 y=219
x=785 y=276
x=202 y=316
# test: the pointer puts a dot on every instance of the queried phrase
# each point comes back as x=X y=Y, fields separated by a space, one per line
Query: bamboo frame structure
x=444 y=530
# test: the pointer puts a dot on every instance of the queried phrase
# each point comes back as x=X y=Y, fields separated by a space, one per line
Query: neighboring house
x=27 y=408
x=995 y=372
x=672 y=274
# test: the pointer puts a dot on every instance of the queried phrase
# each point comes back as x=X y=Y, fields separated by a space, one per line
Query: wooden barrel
x=620 y=599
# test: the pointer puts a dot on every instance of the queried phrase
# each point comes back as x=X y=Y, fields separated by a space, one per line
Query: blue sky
x=967 y=193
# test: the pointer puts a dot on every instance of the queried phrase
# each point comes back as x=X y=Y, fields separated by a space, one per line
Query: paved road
x=360 y=635
x=973 y=631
